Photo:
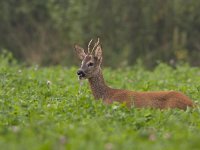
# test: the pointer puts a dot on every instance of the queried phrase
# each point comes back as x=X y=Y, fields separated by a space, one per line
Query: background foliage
x=44 y=32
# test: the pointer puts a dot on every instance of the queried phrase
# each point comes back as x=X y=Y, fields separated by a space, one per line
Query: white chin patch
x=81 y=78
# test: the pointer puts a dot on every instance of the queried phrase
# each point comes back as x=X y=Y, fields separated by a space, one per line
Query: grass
x=46 y=108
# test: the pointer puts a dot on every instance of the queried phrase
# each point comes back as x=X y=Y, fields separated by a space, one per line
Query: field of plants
x=46 y=108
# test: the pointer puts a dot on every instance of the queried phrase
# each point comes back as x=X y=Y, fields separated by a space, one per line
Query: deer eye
x=90 y=64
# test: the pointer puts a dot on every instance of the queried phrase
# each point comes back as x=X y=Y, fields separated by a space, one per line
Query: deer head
x=91 y=61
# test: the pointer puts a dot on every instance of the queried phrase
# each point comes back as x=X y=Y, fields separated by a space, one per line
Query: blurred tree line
x=44 y=31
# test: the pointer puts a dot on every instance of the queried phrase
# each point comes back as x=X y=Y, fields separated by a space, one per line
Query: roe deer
x=91 y=69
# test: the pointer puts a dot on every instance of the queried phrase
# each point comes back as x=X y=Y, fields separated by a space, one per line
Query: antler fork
x=95 y=45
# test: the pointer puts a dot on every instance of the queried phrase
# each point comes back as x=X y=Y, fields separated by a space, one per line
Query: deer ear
x=98 y=52
x=80 y=52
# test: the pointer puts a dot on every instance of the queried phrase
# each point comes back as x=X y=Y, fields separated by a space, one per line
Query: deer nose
x=80 y=73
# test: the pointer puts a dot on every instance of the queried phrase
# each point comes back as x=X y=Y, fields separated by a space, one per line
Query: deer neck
x=98 y=86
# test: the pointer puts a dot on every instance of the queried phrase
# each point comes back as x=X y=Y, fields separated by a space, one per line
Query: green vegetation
x=45 y=31
x=46 y=108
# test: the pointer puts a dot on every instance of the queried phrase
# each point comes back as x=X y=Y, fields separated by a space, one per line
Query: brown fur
x=160 y=99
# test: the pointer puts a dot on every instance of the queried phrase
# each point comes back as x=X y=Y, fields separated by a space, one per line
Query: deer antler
x=89 y=45
x=95 y=45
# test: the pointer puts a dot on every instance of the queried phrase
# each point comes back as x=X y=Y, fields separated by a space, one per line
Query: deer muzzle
x=81 y=74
